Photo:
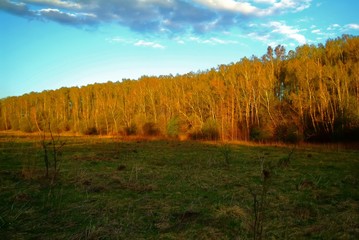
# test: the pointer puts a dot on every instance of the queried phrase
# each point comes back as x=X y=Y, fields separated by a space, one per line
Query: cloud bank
x=155 y=16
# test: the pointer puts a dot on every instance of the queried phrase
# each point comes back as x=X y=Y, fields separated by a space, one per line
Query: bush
x=25 y=125
x=173 y=127
x=287 y=133
x=150 y=129
x=91 y=131
x=210 y=134
x=258 y=134
x=131 y=130
x=209 y=131
x=59 y=126
x=64 y=126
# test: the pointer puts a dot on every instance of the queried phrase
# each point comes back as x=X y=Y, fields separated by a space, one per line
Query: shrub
x=209 y=131
x=14 y=123
x=59 y=126
x=25 y=125
x=287 y=133
x=259 y=134
x=150 y=129
x=131 y=130
x=91 y=131
x=64 y=126
x=210 y=134
x=173 y=127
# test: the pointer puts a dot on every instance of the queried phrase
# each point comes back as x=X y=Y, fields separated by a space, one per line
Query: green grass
x=109 y=189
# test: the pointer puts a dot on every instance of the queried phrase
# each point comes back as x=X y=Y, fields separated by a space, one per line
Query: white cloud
x=119 y=40
x=68 y=18
x=287 y=31
x=53 y=10
x=55 y=3
x=52 y=13
x=316 y=31
x=352 y=26
x=333 y=27
x=246 y=8
x=230 y=5
x=221 y=41
x=305 y=5
x=212 y=41
x=263 y=38
x=143 y=43
x=179 y=40
x=306 y=20
x=265 y=1
x=134 y=42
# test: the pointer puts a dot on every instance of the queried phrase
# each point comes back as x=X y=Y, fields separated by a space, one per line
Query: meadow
x=107 y=188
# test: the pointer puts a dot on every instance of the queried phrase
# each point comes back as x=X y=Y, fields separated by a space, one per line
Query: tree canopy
x=310 y=94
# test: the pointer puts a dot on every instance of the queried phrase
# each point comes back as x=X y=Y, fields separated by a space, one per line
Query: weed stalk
x=260 y=203
x=57 y=146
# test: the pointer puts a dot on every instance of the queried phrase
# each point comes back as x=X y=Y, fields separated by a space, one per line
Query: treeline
x=309 y=94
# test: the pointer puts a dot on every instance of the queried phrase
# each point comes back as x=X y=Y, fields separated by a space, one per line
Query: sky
x=49 y=44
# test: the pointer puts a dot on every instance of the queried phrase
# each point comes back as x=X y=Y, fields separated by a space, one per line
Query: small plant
x=29 y=167
x=131 y=129
x=226 y=152
x=260 y=201
x=287 y=133
x=260 y=197
x=134 y=174
x=28 y=157
x=150 y=129
x=209 y=131
x=285 y=161
x=52 y=148
x=91 y=131
x=173 y=127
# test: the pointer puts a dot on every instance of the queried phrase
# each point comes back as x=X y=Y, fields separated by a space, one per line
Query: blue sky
x=48 y=44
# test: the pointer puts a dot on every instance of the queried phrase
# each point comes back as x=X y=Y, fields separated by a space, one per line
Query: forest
x=308 y=94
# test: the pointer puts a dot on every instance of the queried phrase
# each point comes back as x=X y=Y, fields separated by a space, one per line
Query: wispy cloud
x=287 y=31
x=155 y=16
x=211 y=41
x=54 y=3
x=262 y=38
x=143 y=43
x=353 y=26
x=248 y=8
x=275 y=32
x=16 y=8
x=265 y=1
x=119 y=40
x=135 y=42
x=316 y=31
x=334 y=26
x=179 y=40
x=333 y=29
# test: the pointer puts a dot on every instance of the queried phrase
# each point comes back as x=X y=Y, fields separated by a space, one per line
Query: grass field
x=111 y=189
